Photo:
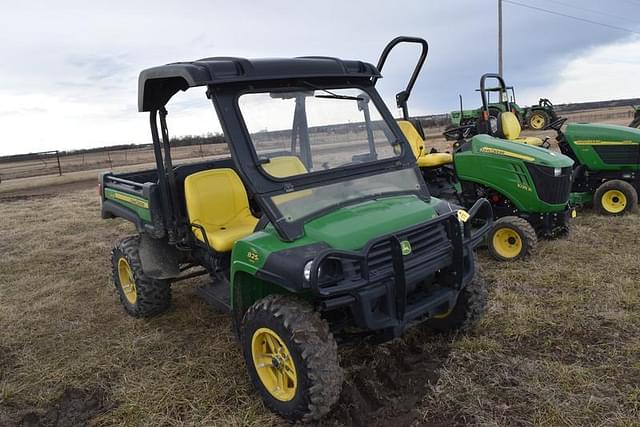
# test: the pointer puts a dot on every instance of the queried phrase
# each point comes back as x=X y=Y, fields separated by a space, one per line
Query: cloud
x=80 y=60
x=600 y=73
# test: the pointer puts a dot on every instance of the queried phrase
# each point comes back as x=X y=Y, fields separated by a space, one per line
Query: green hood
x=350 y=228
x=540 y=156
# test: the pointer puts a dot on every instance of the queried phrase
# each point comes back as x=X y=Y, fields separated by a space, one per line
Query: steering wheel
x=458 y=133
x=557 y=124
x=544 y=102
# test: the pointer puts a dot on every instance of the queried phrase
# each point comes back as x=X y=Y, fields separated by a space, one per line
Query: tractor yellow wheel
x=128 y=283
x=538 y=121
x=274 y=364
x=615 y=197
x=507 y=243
x=511 y=238
x=614 y=201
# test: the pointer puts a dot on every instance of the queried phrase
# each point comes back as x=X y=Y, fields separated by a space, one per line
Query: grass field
x=560 y=344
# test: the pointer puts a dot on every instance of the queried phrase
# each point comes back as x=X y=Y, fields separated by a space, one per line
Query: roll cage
x=228 y=78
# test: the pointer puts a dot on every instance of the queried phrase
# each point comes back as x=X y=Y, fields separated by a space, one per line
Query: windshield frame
x=263 y=186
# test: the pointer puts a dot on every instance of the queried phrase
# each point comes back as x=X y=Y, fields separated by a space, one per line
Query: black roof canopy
x=158 y=84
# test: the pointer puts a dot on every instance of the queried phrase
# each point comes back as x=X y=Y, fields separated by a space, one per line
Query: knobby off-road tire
x=615 y=197
x=147 y=296
x=511 y=238
x=310 y=349
x=469 y=309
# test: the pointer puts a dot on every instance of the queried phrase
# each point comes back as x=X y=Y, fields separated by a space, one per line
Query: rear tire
x=538 y=120
x=615 y=197
x=141 y=296
x=511 y=238
x=304 y=379
x=469 y=309
x=635 y=123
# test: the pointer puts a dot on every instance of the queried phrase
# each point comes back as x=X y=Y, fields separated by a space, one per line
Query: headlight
x=557 y=171
x=330 y=270
x=306 y=272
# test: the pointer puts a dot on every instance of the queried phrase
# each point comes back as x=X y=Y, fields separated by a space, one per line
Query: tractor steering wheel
x=557 y=124
x=458 y=133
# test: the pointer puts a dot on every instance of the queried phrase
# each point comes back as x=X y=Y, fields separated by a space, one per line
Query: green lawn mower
x=535 y=117
x=318 y=229
x=528 y=187
x=606 y=158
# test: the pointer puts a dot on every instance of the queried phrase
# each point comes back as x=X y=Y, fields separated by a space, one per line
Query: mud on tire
x=152 y=296
x=312 y=349
x=469 y=309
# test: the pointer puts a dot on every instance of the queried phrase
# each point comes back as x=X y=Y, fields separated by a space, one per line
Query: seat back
x=508 y=126
x=215 y=197
x=284 y=166
x=415 y=140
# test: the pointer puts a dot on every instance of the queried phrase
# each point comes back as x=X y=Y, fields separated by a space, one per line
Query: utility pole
x=500 y=64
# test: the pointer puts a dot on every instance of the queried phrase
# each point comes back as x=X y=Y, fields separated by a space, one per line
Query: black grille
x=619 y=154
x=427 y=243
x=550 y=188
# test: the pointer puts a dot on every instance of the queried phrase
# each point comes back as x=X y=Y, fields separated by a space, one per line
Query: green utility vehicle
x=318 y=228
x=636 y=118
x=528 y=187
x=606 y=158
x=535 y=117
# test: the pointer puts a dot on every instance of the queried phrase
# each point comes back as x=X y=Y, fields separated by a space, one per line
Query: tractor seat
x=284 y=166
x=424 y=160
x=509 y=129
x=217 y=200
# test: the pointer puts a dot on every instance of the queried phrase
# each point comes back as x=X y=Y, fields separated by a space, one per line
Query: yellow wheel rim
x=507 y=243
x=127 y=282
x=614 y=201
x=274 y=364
x=537 y=121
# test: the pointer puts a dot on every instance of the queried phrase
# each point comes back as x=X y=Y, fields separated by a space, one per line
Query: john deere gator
x=317 y=228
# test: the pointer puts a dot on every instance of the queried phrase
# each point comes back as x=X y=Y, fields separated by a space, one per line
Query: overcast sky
x=68 y=70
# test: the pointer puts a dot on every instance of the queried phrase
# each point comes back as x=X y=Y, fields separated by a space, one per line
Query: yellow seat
x=509 y=128
x=284 y=166
x=217 y=200
x=424 y=160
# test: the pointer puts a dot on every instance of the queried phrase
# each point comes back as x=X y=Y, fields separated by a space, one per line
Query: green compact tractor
x=606 y=158
x=607 y=165
x=527 y=186
x=318 y=229
x=535 y=117
x=636 y=117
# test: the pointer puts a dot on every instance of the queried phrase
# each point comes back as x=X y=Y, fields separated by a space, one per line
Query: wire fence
x=59 y=162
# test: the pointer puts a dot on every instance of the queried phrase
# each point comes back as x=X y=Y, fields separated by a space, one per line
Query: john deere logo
x=406 y=247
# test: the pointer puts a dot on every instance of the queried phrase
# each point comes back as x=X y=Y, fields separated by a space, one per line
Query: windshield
x=308 y=130
x=304 y=203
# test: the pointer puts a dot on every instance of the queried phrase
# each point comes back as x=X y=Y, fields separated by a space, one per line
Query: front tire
x=469 y=309
x=615 y=197
x=141 y=296
x=292 y=358
x=511 y=238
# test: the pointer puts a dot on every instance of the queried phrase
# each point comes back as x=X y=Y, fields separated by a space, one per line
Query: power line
x=588 y=21
x=584 y=9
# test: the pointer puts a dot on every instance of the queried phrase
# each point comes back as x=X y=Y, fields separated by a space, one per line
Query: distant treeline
x=181 y=141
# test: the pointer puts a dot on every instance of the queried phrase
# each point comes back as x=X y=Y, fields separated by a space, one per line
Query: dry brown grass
x=560 y=344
